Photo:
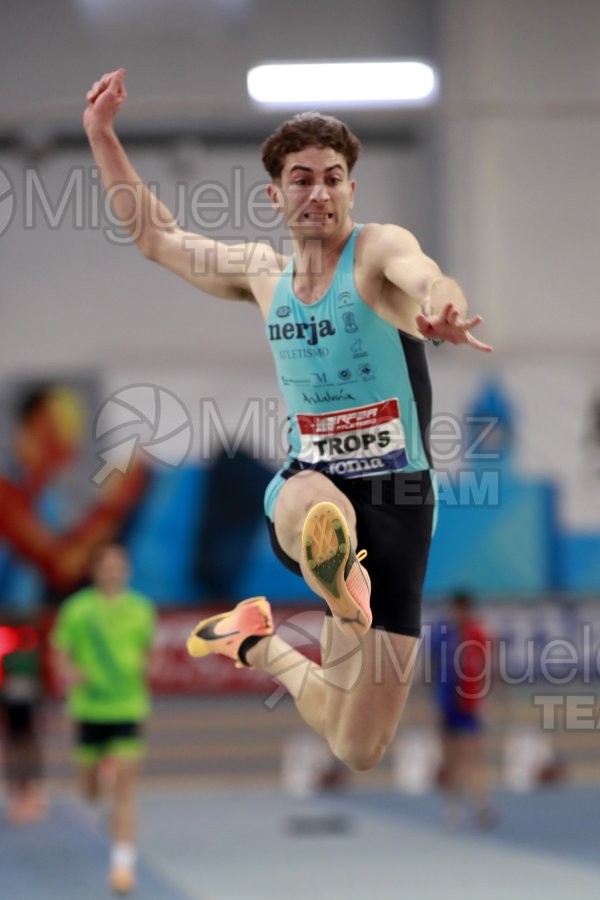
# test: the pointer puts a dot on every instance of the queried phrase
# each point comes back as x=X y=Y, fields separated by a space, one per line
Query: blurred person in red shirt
x=462 y=656
x=20 y=698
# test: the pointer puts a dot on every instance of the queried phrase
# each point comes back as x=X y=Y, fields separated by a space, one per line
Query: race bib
x=364 y=440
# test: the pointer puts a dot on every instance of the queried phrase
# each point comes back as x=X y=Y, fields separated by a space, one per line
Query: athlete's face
x=314 y=192
x=111 y=570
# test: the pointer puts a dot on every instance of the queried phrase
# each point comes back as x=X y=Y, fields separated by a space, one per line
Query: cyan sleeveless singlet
x=357 y=389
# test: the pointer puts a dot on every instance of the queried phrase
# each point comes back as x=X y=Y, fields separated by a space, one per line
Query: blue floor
x=65 y=858
x=264 y=845
x=251 y=844
x=561 y=821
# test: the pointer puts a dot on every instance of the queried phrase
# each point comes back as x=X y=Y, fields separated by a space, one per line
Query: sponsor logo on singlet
x=310 y=331
x=349 y=322
x=304 y=353
x=326 y=396
x=362 y=440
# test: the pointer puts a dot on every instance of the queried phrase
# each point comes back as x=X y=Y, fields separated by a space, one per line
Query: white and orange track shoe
x=121 y=880
x=226 y=632
x=334 y=571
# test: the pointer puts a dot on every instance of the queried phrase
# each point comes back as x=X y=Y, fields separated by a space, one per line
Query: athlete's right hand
x=105 y=99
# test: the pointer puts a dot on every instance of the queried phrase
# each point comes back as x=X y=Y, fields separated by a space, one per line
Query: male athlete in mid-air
x=356 y=304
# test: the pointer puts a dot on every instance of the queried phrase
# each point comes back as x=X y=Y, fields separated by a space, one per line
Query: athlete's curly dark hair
x=310 y=129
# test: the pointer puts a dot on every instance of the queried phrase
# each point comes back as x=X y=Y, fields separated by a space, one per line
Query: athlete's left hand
x=450 y=326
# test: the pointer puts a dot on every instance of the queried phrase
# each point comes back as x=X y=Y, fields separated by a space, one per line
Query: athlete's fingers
x=105 y=82
x=445 y=315
x=99 y=86
x=92 y=91
x=424 y=325
x=477 y=345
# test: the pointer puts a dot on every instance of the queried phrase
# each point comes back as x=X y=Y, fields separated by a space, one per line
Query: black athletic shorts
x=95 y=740
x=20 y=719
x=394 y=524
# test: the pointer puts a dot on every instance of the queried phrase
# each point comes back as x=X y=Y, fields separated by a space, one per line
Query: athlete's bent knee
x=301 y=492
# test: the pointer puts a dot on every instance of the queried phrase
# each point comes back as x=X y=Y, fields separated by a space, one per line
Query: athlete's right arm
x=61 y=640
x=213 y=266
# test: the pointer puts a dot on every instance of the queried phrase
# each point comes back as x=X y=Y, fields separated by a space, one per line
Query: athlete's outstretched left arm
x=443 y=314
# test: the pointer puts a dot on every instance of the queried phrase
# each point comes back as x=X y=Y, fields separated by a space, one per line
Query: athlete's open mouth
x=318 y=217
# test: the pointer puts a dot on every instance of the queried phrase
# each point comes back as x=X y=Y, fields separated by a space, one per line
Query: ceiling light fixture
x=350 y=84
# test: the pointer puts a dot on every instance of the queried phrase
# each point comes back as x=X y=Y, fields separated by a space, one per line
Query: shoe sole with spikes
x=333 y=570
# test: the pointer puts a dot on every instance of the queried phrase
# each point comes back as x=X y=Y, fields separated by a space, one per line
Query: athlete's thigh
x=126 y=770
x=368 y=680
x=298 y=495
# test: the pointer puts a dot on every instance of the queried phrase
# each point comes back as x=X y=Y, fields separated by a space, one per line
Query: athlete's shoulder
x=141 y=602
x=79 y=599
x=265 y=266
x=74 y=609
x=380 y=237
x=136 y=598
x=262 y=258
